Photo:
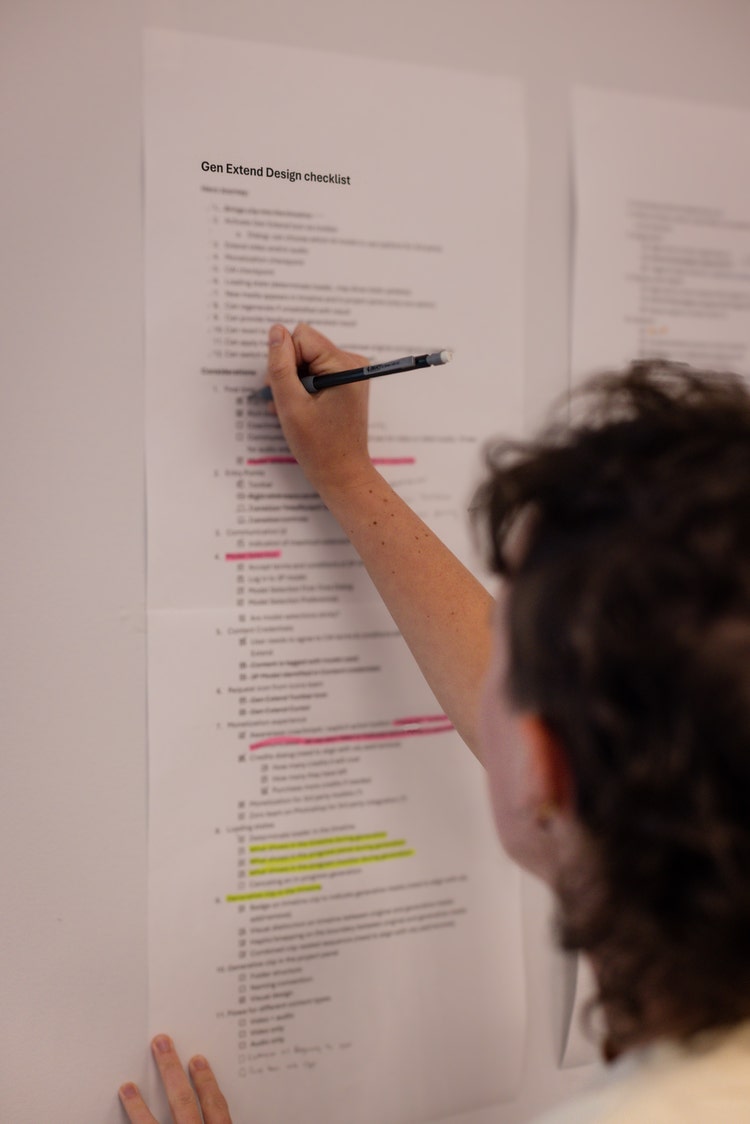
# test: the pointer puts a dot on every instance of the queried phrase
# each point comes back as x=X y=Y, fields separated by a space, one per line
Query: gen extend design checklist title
x=266 y=172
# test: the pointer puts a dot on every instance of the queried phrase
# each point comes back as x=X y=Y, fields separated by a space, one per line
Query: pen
x=315 y=383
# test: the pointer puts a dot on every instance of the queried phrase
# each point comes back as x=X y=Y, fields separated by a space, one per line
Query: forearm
x=441 y=610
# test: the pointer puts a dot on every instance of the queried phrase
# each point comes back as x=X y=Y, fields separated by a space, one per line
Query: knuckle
x=183 y=1098
x=212 y=1100
x=333 y=360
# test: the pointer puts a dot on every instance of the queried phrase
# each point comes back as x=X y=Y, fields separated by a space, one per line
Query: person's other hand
x=201 y=1102
x=327 y=431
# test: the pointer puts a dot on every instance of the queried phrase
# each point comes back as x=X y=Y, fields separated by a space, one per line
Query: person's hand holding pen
x=326 y=432
x=201 y=1101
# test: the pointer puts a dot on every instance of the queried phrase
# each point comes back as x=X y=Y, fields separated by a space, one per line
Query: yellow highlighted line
x=331 y=851
x=271 y=893
x=274 y=867
x=324 y=840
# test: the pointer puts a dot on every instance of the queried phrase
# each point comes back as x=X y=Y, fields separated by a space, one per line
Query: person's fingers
x=136 y=1109
x=323 y=357
x=176 y=1082
x=282 y=359
x=212 y=1101
x=282 y=367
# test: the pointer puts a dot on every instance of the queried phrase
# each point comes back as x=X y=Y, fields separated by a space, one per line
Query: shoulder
x=669 y=1084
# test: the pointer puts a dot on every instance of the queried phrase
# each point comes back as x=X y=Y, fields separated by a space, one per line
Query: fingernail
x=127 y=1092
x=162 y=1044
x=198 y=1062
x=276 y=335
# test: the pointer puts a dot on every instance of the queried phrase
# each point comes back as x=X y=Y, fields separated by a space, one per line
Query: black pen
x=315 y=383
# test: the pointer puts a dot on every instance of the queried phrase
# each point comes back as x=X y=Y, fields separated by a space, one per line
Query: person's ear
x=550 y=773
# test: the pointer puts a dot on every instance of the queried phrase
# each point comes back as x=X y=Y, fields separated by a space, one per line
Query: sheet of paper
x=331 y=919
x=662 y=232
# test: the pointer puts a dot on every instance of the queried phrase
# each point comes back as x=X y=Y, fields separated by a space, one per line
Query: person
x=606 y=690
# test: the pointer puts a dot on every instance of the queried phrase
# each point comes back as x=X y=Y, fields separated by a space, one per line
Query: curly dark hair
x=629 y=634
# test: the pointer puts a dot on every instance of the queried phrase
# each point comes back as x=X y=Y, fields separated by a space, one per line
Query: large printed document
x=331 y=918
x=662 y=232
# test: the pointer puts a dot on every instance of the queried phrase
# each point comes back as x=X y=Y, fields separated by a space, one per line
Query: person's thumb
x=282 y=362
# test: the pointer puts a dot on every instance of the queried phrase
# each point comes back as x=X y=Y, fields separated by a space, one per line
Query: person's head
x=623 y=539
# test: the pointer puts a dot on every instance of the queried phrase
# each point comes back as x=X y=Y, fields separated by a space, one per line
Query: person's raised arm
x=439 y=607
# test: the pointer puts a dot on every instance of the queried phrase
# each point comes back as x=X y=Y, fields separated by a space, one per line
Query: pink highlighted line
x=393 y=460
x=437 y=725
x=271 y=460
x=251 y=555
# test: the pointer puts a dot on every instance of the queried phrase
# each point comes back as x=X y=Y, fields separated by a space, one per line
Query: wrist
x=349 y=490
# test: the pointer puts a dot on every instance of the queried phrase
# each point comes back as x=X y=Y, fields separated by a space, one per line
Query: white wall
x=73 y=773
